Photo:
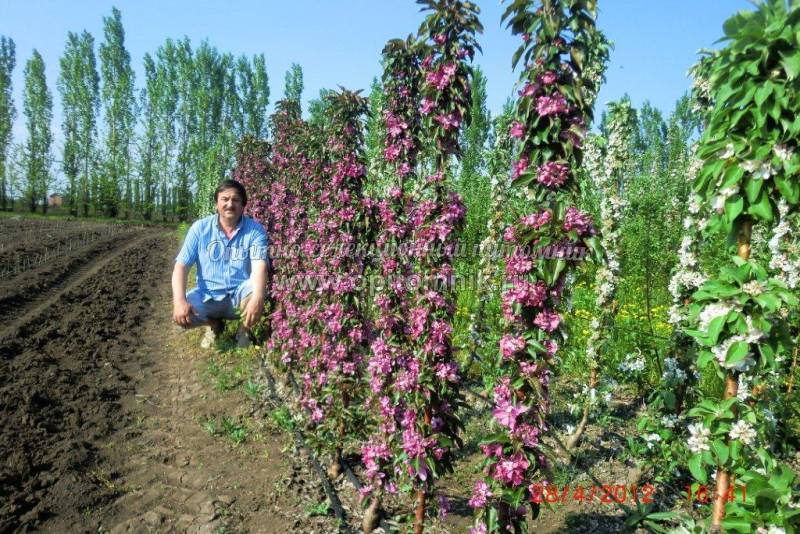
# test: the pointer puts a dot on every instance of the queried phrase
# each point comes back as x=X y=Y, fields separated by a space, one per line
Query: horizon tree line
x=152 y=151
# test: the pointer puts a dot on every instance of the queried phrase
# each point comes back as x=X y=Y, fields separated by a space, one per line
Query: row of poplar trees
x=155 y=152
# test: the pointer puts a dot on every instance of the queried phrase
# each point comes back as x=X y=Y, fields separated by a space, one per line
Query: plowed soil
x=101 y=398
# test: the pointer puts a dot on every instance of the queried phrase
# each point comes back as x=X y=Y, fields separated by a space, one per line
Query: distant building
x=54 y=201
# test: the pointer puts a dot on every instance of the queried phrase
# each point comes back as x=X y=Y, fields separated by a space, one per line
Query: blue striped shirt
x=222 y=264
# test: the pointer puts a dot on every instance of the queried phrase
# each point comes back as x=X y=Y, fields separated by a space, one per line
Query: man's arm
x=255 y=306
x=181 y=309
x=187 y=256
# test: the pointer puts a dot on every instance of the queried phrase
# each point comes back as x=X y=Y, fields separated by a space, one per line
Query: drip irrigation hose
x=333 y=498
x=349 y=474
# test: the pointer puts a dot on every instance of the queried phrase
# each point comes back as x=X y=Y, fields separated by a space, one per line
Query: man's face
x=229 y=205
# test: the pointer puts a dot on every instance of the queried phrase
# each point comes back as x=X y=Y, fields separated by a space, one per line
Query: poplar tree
x=7 y=112
x=293 y=83
x=253 y=85
x=38 y=110
x=186 y=124
x=165 y=104
x=78 y=85
x=118 y=102
x=149 y=149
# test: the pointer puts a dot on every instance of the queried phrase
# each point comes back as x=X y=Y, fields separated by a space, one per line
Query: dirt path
x=102 y=402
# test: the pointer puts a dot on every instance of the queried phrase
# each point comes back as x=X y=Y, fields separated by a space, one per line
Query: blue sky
x=338 y=42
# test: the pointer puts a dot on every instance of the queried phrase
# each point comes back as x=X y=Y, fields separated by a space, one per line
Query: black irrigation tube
x=336 y=504
x=351 y=476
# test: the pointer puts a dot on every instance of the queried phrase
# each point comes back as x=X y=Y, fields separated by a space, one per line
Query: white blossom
x=669 y=421
x=783 y=152
x=728 y=151
x=769 y=416
x=652 y=439
x=714 y=310
x=633 y=363
x=753 y=287
x=698 y=438
x=743 y=431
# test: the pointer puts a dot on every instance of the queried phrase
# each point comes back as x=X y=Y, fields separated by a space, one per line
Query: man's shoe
x=242 y=339
x=209 y=339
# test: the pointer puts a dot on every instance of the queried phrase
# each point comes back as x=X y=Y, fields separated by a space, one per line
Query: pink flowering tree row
x=555 y=101
x=332 y=368
x=430 y=425
x=292 y=199
x=391 y=359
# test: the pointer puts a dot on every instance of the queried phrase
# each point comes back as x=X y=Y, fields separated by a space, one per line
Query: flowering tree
x=429 y=386
x=391 y=349
x=293 y=197
x=559 y=38
x=621 y=124
x=750 y=169
x=332 y=365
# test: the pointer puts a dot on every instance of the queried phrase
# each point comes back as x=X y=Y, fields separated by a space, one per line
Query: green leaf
x=790 y=189
x=739 y=525
x=696 y=468
x=768 y=301
x=762 y=208
x=791 y=64
x=721 y=451
x=753 y=188
x=737 y=352
x=733 y=207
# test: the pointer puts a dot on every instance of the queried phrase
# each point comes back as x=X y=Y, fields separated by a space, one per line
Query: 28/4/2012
x=606 y=493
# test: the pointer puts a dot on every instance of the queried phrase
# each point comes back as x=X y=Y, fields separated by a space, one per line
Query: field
x=98 y=403
x=114 y=421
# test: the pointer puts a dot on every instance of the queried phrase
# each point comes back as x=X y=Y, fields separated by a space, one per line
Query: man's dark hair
x=231 y=184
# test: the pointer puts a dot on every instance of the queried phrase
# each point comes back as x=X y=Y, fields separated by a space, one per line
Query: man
x=230 y=251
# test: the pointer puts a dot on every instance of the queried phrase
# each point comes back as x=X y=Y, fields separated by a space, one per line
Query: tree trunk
x=575 y=438
x=731 y=388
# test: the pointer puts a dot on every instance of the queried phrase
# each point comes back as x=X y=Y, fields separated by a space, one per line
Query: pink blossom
x=426 y=63
x=518 y=264
x=510 y=345
x=519 y=167
x=552 y=174
x=440 y=38
x=529 y=89
x=427 y=106
x=549 y=78
x=506 y=414
x=547 y=320
x=537 y=220
x=511 y=470
x=450 y=121
x=479 y=528
x=480 y=494
x=517 y=130
x=576 y=220
x=444 y=506
x=492 y=449
x=528 y=434
x=551 y=105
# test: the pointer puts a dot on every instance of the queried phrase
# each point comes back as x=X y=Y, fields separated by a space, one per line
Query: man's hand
x=252 y=311
x=182 y=312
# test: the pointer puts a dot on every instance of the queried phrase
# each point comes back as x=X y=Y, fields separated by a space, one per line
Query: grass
x=234 y=430
x=320 y=509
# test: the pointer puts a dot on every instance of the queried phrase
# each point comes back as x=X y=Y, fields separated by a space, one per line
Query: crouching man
x=230 y=250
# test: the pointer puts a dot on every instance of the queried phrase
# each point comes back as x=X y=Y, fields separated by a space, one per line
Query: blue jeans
x=217 y=309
